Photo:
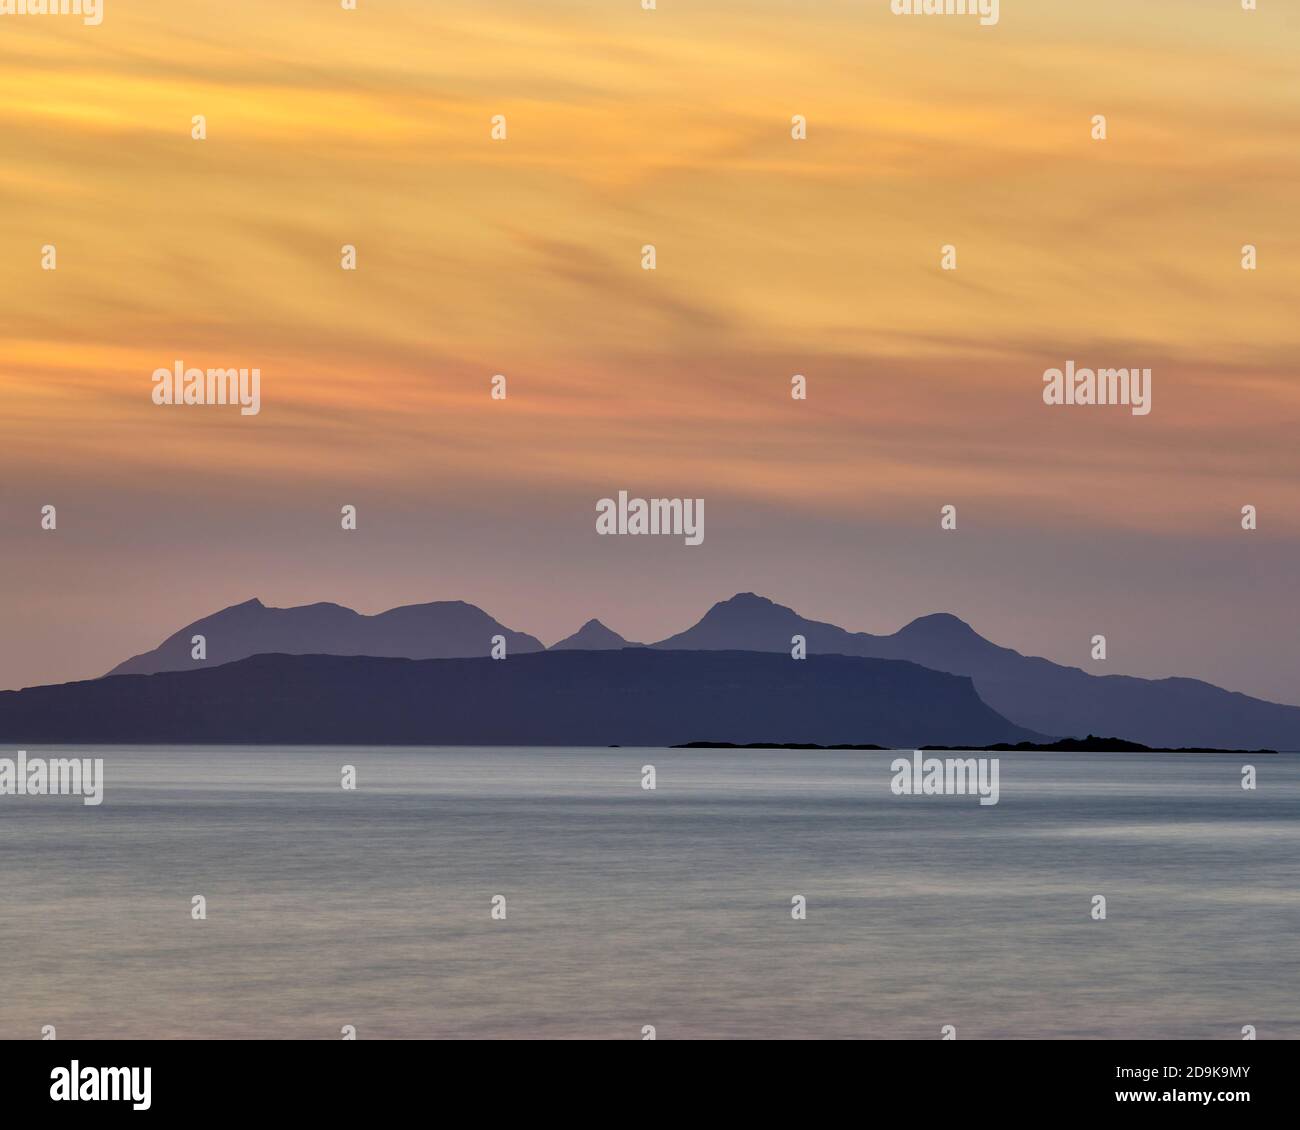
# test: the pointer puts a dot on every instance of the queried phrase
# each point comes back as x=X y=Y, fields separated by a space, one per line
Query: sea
x=751 y=894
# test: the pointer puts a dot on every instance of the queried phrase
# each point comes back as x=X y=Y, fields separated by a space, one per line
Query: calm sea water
x=670 y=908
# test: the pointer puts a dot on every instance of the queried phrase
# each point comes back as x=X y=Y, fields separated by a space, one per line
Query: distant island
x=1044 y=700
x=448 y=673
x=1090 y=744
x=632 y=696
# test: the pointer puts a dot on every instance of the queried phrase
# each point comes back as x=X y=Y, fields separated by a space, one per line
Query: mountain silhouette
x=441 y=630
x=1031 y=691
x=631 y=697
x=1042 y=696
x=592 y=636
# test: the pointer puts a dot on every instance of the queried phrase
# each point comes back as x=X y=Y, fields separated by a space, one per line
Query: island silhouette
x=422 y=674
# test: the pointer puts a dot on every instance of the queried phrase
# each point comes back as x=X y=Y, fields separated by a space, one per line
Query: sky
x=522 y=257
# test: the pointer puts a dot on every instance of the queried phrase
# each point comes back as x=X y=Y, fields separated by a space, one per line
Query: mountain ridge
x=445 y=629
x=1030 y=691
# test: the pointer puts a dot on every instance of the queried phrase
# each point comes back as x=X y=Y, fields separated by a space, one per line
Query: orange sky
x=522 y=257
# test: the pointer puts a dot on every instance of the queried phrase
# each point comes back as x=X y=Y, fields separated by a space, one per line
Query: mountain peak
x=749 y=600
x=745 y=622
x=748 y=604
x=592 y=636
x=939 y=625
x=253 y=605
